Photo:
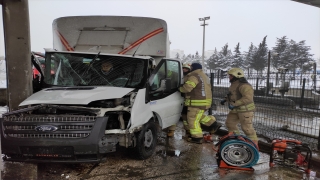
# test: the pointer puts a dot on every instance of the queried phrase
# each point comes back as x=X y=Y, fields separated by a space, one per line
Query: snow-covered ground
x=3 y=83
x=3 y=74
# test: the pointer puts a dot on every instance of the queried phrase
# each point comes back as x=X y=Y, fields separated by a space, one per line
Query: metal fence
x=287 y=105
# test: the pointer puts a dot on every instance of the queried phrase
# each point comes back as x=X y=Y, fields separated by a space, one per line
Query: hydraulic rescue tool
x=291 y=153
x=236 y=152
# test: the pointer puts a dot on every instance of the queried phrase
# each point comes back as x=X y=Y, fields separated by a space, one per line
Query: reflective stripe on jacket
x=197 y=90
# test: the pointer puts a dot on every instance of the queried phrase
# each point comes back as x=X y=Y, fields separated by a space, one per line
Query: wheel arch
x=157 y=119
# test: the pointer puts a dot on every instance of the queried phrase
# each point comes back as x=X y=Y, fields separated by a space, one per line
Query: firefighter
x=171 y=129
x=198 y=99
x=241 y=105
x=186 y=68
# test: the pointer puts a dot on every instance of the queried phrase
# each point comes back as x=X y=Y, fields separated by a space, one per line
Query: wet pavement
x=174 y=159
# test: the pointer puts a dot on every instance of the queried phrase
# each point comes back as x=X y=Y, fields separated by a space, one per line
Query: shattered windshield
x=75 y=69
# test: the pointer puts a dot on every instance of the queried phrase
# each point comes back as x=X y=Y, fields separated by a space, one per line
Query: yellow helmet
x=186 y=65
x=236 y=72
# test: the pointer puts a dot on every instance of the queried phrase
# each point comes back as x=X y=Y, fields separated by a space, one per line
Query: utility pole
x=204 y=32
x=314 y=76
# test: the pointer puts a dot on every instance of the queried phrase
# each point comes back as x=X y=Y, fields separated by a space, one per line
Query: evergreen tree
x=237 y=57
x=224 y=50
x=212 y=61
x=177 y=56
x=282 y=57
x=184 y=58
x=224 y=58
x=259 y=61
x=248 y=58
x=196 y=58
x=300 y=56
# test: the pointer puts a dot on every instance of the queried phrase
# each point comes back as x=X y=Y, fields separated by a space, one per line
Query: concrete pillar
x=17 y=47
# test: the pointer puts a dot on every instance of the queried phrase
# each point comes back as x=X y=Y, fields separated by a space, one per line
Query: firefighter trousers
x=185 y=119
x=195 y=116
x=245 y=120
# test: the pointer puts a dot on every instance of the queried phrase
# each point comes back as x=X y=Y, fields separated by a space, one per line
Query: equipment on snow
x=291 y=153
x=236 y=152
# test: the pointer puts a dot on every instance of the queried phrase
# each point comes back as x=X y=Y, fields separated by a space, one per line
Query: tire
x=239 y=153
x=146 y=141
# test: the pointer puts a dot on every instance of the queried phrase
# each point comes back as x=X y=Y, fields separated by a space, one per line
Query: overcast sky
x=231 y=21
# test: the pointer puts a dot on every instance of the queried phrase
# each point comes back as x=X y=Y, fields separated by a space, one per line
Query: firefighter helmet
x=186 y=65
x=236 y=72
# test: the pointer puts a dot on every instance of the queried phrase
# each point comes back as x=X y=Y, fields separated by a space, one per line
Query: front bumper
x=75 y=141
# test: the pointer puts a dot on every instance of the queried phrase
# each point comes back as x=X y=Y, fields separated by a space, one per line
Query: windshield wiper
x=91 y=63
x=94 y=69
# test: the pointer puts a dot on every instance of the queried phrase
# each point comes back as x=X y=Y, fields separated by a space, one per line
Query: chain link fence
x=287 y=105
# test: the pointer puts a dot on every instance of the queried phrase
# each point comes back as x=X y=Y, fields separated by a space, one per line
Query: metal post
x=319 y=140
x=213 y=105
x=268 y=74
x=218 y=76
x=204 y=27
x=204 y=34
x=302 y=92
x=315 y=77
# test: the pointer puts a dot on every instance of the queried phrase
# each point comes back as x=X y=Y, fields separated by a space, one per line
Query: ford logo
x=44 y=128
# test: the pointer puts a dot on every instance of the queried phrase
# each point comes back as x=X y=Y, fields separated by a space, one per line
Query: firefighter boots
x=214 y=127
x=195 y=140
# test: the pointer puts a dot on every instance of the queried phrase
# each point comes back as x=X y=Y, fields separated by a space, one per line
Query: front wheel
x=146 y=141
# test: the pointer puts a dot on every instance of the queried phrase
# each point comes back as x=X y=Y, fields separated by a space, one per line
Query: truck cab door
x=165 y=99
x=38 y=76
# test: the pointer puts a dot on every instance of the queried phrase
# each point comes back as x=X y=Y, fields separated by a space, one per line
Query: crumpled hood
x=75 y=95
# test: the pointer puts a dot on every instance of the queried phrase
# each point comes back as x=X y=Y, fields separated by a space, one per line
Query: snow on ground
x=3 y=109
x=3 y=74
x=3 y=83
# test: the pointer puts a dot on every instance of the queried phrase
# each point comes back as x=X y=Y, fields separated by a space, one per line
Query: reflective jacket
x=197 y=90
x=241 y=96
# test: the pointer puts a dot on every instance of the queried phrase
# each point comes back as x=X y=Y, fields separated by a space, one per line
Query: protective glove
x=231 y=107
x=223 y=101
